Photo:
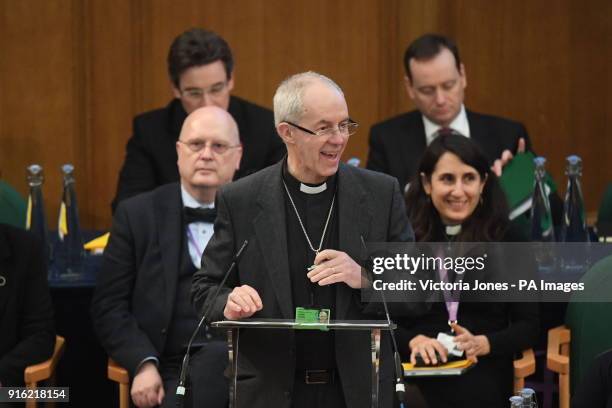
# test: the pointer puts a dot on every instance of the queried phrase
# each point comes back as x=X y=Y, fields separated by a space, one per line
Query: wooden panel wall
x=73 y=73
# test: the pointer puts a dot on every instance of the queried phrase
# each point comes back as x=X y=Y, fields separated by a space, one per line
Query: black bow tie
x=199 y=215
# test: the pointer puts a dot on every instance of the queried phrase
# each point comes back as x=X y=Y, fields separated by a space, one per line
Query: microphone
x=400 y=387
x=181 y=388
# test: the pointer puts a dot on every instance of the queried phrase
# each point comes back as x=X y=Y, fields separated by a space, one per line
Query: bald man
x=141 y=307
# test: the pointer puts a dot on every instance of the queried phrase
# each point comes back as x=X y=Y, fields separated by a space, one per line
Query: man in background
x=200 y=66
x=141 y=308
x=435 y=81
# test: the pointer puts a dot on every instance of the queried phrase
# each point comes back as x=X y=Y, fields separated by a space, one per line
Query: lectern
x=233 y=341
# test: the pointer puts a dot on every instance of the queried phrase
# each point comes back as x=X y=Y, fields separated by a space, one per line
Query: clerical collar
x=459 y=124
x=307 y=188
x=189 y=201
x=452 y=230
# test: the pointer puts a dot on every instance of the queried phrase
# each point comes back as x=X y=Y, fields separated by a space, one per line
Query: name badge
x=317 y=319
x=448 y=342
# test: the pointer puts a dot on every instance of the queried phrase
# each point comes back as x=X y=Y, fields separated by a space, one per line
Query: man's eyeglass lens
x=199 y=145
x=347 y=128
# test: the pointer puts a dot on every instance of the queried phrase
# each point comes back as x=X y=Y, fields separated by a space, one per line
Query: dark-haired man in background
x=435 y=81
x=200 y=66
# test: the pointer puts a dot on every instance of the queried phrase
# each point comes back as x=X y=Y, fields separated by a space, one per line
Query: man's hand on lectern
x=242 y=302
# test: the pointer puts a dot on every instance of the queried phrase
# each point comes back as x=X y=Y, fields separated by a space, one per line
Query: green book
x=517 y=181
x=12 y=206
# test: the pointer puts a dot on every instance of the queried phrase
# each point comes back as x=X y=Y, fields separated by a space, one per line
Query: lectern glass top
x=290 y=324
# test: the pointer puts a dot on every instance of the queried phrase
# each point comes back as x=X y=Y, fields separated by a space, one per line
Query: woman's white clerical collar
x=452 y=230
x=304 y=188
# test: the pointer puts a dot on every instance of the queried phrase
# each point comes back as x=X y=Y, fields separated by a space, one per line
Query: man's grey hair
x=288 y=104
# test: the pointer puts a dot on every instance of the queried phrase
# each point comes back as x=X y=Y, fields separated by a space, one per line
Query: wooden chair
x=120 y=375
x=43 y=371
x=557 y=360
x=523 y=367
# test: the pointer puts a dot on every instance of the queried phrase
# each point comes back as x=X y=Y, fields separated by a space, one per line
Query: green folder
x=517 y=181
x=12 y=206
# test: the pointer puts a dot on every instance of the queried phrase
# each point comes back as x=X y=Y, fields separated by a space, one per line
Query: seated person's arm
x=115 y=325
x=36 y=325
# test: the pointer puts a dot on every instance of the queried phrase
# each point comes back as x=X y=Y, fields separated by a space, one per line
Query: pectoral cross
x=311 y=267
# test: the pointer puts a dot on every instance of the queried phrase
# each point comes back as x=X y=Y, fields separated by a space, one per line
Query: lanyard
x=451 y=298
x=193 y=241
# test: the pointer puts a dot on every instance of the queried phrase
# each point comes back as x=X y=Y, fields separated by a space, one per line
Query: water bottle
x=542 y=227
x=516 y=402
x=69 y=231
x=529 y=398
x=574 y=230
x=36 y=221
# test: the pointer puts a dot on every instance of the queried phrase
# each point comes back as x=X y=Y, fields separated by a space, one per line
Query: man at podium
x=303 y=219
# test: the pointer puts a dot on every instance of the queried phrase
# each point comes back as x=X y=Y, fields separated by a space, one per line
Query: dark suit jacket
x=150 y=158
x=27 y=332
x=397 y=144
x=253 y=209
x=136 y=289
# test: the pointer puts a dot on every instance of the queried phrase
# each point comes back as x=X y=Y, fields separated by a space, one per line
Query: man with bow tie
x=141 y=308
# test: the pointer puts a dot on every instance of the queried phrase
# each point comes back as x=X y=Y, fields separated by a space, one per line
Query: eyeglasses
x=347 y=128
x=198 y=93
x=198 y=145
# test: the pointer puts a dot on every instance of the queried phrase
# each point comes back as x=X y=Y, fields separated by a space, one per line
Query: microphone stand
x=181 y=387
x=400 y=388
